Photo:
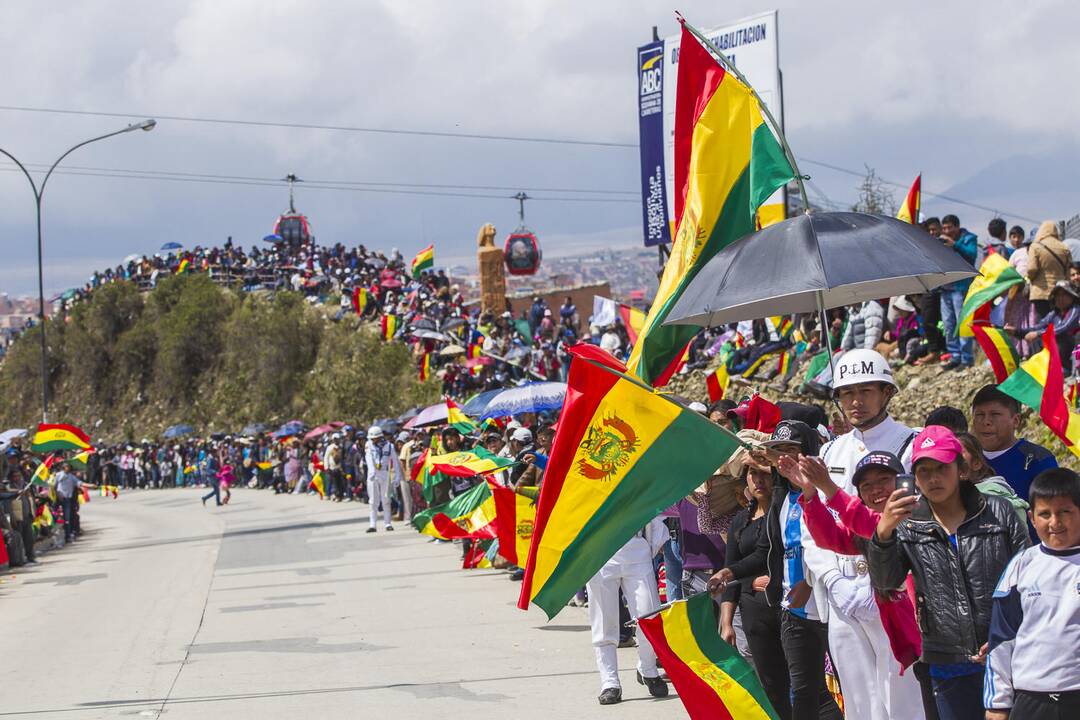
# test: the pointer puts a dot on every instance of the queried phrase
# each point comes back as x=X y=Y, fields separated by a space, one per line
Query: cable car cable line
x=314 y=186
x=472 y=136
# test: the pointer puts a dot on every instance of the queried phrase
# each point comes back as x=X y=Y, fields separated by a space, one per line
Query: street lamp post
x=146 y=125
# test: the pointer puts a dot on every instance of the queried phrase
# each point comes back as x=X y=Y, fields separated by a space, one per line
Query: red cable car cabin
x=294 y=230
x=522 y=253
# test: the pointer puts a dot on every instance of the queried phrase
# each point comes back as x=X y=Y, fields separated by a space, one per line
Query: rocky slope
x=921 y=390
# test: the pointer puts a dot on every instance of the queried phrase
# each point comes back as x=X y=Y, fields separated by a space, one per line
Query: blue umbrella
x=272 y=239
x=253 y=429
x=529 y=398
x=172 y=246
x=293 y=427
x=177 y=430
x=478 y=403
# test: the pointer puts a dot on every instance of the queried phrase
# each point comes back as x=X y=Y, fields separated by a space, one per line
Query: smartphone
x=906 y=482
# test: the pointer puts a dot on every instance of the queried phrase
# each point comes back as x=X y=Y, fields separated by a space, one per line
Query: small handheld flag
x=909 y=211
x=717 y=383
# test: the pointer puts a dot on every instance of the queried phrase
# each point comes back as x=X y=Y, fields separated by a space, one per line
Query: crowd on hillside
x=864 y=568
x=921 y=330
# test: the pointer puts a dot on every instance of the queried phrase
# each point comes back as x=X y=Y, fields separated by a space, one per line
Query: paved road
x=282 y=607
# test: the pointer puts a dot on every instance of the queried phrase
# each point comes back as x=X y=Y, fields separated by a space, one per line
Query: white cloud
x=946 y=89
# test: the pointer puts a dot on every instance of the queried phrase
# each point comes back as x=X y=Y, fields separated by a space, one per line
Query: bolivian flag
x=42 y=472
x=1039 y=383
x=425 y=367
x=470 y=515
x=389 y=326
x=711 y=677
x=359 y=300
x=999 y=350
x=478 y=461
x=80 y=461
x=424 y=260
x=318 y=485
x=727 y=163
x=633 y=320
x=56 y=437
x=717 y=383
x=622 y=455
x=909 y=211
x=458 y=420
x=515 y=518
x=996 y=276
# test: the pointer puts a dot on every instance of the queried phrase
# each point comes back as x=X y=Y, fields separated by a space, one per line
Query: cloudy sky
x=976 y=95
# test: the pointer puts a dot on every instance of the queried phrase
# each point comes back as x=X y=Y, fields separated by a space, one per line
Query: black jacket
x=742 y=542
x=953 y=587
x=768 y=556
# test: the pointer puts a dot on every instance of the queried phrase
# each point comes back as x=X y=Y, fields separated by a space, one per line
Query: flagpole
x=799 y=177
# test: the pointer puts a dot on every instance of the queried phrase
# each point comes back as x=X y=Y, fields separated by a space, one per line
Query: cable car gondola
x=522 y=253
x=293 y=227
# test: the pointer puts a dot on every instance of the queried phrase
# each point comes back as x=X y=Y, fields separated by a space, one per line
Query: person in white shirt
x=1031 y=663
x=383 y=467
x=863 y=386
x=630 y=568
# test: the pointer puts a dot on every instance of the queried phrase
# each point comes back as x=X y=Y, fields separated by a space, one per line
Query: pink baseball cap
x=937 y=443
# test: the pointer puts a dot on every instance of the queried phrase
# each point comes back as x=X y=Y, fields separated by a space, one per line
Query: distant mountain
x=1040 y=186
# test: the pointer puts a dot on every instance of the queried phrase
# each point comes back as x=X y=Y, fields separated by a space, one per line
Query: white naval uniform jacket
x=841 y=456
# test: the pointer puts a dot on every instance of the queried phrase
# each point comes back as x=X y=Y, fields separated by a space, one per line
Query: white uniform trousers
x=378 y=490
x=639 y=588
x=406 y=500
x=869 y=673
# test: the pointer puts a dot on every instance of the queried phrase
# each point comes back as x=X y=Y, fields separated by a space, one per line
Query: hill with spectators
x=129 y=363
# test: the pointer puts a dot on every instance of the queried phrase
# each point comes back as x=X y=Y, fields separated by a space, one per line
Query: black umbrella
x=813 y=262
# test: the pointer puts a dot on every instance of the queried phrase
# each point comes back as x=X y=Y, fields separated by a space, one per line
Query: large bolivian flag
x=727 y=163
x=56 y=437
x=1039 y=383
x=622 y=455
x=712 y=678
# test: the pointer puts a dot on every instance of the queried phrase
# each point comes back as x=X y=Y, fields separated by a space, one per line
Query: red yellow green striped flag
x=727 y=163
x=999 y=350
x=182 y=268
x=996 y=276
x=783 y=325
x=633 y=320
x=389 y=326
x=318 y=484
x=711 y=677
x=1039 y=383
x=515 y=518
x=783 y=366
x=457 y=419
x=909 y=211
x=58 y=436
x=42 y=472
x=359 y=300
x=616 y=437
x=467 y=463
x=424 y=260
x=469 y=515
x=717 y=383
x=425 y=367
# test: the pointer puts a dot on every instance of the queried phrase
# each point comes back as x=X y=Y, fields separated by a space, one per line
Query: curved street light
x=146 y=125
